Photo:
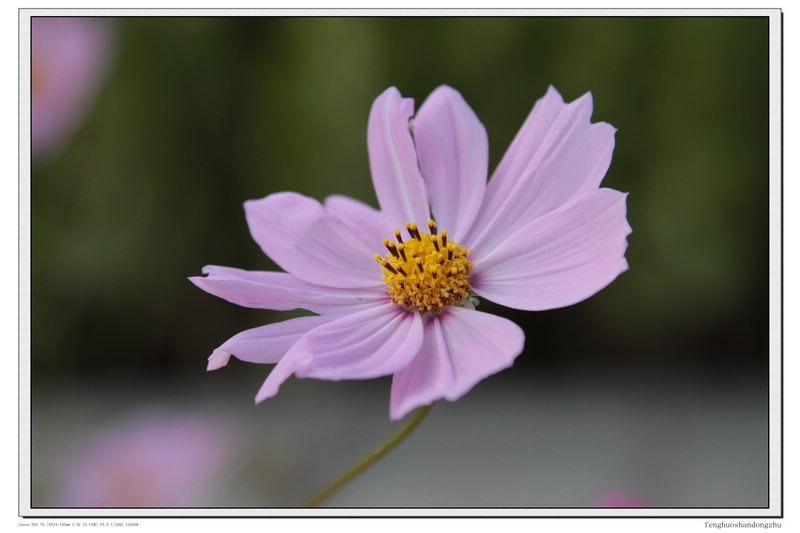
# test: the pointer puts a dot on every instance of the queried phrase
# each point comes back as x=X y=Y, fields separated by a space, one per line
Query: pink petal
x=218 y=359
x=313 y=245
x=427 y=377
x=461 y=348
x=453 y=152
x=393 y=161
x=363 y=220
x=265 y=344
x=285 y=368
x=367 y=344
x=280 y=291
x=559 y=259
x=556 y=154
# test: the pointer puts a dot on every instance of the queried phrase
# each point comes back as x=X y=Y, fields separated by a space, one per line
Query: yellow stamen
x=413 y=231
x=391 y=247
x=420 y=275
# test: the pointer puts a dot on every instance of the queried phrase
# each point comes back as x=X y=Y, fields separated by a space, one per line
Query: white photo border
x=776 y=502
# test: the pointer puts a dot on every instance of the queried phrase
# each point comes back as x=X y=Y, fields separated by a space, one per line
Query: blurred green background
x=198 y=115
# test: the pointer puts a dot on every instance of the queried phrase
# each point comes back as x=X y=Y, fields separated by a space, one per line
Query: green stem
x=368 y=459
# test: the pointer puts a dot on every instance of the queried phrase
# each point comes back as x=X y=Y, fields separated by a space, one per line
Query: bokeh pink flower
x=69 y=58
x=151 y=459
x=541 y=234
x=622 y=499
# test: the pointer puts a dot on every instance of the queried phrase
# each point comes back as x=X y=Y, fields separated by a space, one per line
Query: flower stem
x=368 y=459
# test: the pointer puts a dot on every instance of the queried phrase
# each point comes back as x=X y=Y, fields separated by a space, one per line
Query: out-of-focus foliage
x=198 y=115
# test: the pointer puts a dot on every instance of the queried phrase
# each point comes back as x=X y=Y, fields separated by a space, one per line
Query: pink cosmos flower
x=153 y=459
x=69 y=56
x=539 y=235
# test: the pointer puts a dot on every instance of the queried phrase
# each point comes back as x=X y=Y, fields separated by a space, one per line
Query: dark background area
x=198 y=115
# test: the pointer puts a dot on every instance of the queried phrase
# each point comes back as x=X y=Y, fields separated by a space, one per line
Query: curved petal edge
x=461 y=348
x=559 y=259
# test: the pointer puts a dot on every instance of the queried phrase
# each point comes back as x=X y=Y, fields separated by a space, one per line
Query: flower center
x=426 y=272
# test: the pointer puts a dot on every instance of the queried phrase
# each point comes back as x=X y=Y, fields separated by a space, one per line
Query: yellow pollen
x=427 y=271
